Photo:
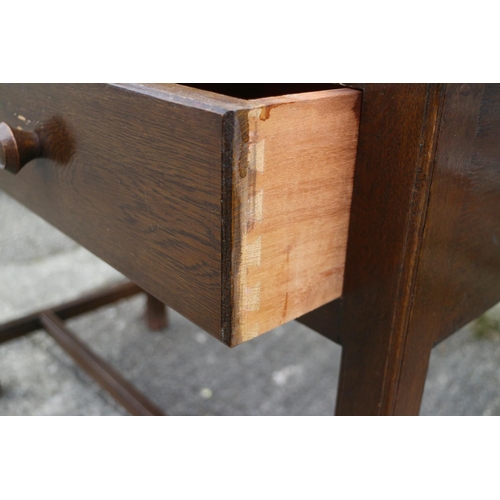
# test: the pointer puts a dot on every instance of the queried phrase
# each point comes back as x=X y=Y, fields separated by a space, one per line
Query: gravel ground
x=289 y=371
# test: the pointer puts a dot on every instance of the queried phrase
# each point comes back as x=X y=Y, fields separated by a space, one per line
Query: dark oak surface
x=166 y=240
x=424 y=240
x=459 y=270
x=423 y=251
x=391 y=187
x=464 y=212
x=151 y=179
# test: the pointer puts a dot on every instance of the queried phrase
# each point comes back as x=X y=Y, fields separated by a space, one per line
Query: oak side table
x=369 y=212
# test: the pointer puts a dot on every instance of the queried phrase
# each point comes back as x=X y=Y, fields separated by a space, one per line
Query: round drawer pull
x=17 y=147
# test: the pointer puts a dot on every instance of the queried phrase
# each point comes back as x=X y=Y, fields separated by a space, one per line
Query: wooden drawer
x=232 y=211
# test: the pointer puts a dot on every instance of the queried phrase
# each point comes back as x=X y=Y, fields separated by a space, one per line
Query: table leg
x=385 y=381
x=385 y=347
x=52 y=320
x=156 y=314
x=105 y=375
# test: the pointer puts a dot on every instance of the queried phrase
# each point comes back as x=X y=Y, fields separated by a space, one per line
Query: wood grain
x=464 y=214
x=292 y=184
x=423 y=253
x=248 y=236
x=142 y=190
x=459 y=270
x=233 y=212
x=398 y=135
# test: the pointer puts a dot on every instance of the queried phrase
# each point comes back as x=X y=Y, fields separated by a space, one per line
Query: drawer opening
x=260 y=90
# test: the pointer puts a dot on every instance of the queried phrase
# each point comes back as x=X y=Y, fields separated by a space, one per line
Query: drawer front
x=232 y=212
x=142 y=190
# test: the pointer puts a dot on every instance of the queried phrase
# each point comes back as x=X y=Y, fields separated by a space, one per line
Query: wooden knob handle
x=17 y=147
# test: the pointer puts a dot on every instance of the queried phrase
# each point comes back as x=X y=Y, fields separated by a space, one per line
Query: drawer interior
x=261 y=90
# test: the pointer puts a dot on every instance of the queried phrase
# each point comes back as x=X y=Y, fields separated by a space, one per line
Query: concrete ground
x=289 y=371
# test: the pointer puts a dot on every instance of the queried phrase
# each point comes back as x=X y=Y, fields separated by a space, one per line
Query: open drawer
x=234 y=211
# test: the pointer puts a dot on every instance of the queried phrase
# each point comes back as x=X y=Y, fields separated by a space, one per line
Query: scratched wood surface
x=233 y=212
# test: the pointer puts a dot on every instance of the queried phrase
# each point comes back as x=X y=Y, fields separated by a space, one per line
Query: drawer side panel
x=293 y=181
